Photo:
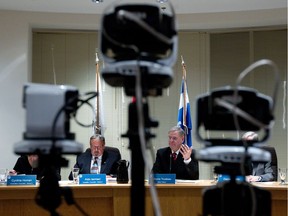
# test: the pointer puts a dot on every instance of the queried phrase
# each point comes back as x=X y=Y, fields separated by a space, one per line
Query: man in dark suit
x=178 y=158
x=261 y=172
x=98 y=158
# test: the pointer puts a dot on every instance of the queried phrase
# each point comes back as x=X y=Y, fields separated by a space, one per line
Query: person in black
x=178 y=158
x=28 y=165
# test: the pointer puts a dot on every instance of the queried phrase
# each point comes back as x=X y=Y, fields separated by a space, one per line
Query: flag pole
x=184 y=92
x=97 y=126
x=184 y=113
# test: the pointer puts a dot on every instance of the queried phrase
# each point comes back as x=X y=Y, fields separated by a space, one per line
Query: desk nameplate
x=21 y=180
x=164 y=178
x=92 y=179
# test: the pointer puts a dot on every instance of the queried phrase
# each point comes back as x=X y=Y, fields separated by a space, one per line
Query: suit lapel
x=103 y=163
x=255 y=167
x=88 y=163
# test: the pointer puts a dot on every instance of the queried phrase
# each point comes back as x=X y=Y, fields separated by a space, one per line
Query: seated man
x=28 y=165
x=97 y=159
x=177 y=158
x=261 y=172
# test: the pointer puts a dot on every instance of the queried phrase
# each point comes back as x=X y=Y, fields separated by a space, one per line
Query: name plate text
x=224 y=177
x=164 y=178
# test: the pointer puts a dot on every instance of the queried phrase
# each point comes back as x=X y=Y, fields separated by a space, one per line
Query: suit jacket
x=268 y=171
x=109 y=164
x=264 y=170
x=164 y=164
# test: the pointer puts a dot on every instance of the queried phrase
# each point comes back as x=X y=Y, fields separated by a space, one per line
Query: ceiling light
x=162 y=1
x=97 y=1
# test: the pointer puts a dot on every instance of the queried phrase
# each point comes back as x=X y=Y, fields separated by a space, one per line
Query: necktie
x=95 y=160
x=95 y=168
x=174 y=156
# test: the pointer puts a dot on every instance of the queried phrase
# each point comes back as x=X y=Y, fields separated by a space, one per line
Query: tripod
x=137 y=204
x=50 y=193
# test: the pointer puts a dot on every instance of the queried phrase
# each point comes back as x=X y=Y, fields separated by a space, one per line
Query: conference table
x=182 y=198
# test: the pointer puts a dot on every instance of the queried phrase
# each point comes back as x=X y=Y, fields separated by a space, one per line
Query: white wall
x=14 y=64
x=15 y=56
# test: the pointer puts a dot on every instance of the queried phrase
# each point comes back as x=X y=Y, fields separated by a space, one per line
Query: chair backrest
x=112 y=149
x=274 y=160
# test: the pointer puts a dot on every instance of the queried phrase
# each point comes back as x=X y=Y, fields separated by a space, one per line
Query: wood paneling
x=114 y=199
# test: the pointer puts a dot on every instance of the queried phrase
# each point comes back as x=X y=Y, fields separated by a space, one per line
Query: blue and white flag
x=184 y=113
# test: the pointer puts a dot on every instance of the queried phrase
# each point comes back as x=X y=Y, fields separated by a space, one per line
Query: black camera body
x=138 y=38
x=219 y=109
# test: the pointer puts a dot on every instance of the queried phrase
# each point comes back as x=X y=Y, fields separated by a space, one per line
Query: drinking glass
x=282 y=175
x=3 y=175
x=75 y=174
x=215 y=176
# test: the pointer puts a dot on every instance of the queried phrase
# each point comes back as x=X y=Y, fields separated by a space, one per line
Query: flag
x=184 y=112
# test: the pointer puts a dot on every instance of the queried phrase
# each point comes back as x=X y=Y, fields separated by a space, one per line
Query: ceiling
x=180 y=6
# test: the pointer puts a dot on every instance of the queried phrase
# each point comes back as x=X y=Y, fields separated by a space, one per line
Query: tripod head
x=48 y=112
x=128 y=37
x=225 y=110
x=222 y=111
